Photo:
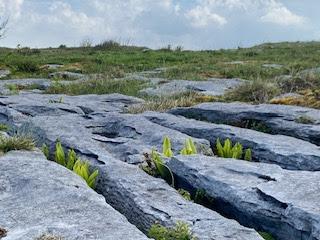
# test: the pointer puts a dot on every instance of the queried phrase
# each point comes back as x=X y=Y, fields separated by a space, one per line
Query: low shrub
x=17 y=142
x=25 y=65
x=181 y=231
x=108 y=45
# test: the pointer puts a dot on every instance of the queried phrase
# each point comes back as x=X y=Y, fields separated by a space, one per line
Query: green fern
x=163 y=170
x=59 y=155
x=228 y=150
x=189 y=148
x=45 y=150
x=82 y=169
x=248 y=155
x=72 y=159
x=166 y=147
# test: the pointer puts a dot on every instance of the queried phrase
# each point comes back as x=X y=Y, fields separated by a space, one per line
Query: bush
x=108 y=45
x=25 y=65
x=257 y=91
x=180 y=232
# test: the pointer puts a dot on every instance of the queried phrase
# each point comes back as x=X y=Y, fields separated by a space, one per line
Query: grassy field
x=261 y=64
x=117 y=60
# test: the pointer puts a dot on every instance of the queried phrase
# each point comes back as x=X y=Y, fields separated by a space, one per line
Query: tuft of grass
x=304 y=119
x=99 y=86
x=163 y=104
x=4 y=127
x=17 y=142
x=47 y=236
x=181 y=231
x=257 y=91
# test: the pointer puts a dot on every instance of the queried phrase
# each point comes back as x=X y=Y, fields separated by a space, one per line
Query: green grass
x=99 y=86
x=195 y=65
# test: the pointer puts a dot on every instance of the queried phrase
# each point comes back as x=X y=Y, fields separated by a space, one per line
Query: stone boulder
x=287 y=152
x=299 y=122
x=264 y=196
x=38 y=197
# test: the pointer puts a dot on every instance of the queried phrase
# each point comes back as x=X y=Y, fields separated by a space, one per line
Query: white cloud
x=202 y=16
x=11 y=8
x=277 y=13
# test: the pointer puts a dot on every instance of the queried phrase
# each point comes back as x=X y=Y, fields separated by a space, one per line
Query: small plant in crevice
x=185 y=194
x=47 y=236
x=228 y=150
x=73 y=163
x=4 y=127
x=17 y=142
x=189 y=148
x=180 y=231
x=266 y=236
x=304 y=119
x=199 y=196
x=155 y=166
x=166 y=147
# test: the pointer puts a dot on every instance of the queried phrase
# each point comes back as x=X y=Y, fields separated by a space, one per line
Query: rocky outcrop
x=211 y=87
x=299 y=122
x=4 y=73
x=97 y=134
x=38 y=197
x=266 y=197
x=287 y=152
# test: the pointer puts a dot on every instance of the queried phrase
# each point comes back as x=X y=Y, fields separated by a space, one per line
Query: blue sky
x=193 y=24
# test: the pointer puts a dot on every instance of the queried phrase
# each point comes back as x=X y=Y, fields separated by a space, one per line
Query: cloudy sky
x=193 y=24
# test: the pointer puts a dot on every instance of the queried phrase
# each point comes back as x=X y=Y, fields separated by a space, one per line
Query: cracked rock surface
x=39 y=197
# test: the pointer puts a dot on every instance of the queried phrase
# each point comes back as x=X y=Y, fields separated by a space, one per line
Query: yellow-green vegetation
x=189 y=148
x=98 y=86
x=166 y=147
x=266 y=236
x=185 y=194
x=17 y=142
x=73 y=163
x=228 y=150
x=308 y=98
x=4 y=127
x=180 y=231
x=156 y=167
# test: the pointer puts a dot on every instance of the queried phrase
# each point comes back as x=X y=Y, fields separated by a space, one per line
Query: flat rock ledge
x=284 y=203
x=39 y=197
x=299 y=122
x=211 y=87
x=287 y=152
x=85 y=124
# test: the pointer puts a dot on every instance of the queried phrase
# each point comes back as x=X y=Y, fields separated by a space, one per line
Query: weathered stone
x=52 y=66
x=212 y=87
x=41 y=84
x=287 y=152
x=38 y=196
x=272 y=65
x=299 y=122
x=143 y=199
x=4 y=73
x=67 y=75
x=264 y=196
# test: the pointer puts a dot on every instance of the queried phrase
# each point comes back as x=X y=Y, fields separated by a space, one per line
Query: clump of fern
x=166 y=147
x=17 y=142
x=155 y=166
x=228 y=150
x=189 y=148
x=180 y=231
x=73 y=163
